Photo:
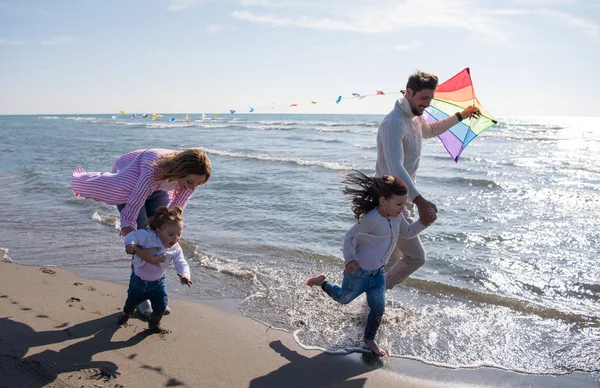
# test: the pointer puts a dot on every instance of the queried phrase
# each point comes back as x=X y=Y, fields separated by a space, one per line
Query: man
x=398 y=153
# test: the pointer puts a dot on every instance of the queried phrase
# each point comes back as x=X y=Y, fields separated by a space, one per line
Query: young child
x=147 y=280
x=377 y=204
x=141 y=181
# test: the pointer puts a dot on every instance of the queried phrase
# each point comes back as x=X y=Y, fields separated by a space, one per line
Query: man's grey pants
x=408 y=257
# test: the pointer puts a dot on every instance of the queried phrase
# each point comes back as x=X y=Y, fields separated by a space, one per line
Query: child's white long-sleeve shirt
x=373 y=238
x=147 y=238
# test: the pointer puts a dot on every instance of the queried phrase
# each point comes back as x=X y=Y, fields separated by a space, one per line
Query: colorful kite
x=453 y=96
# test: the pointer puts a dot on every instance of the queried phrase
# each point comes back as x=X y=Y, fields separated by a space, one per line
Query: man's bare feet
x=316 y=280
x=375 y=348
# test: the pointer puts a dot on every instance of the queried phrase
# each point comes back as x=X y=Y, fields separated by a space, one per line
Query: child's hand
x=351 y=267
x=185 y=280
x=130 y=249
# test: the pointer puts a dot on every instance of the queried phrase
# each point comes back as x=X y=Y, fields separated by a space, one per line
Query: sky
x=527 y=57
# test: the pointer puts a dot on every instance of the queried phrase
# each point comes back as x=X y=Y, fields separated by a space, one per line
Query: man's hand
x=352 y=266
x=184 y=280
x=427 y=210
x=471 y=111
x=146 y=255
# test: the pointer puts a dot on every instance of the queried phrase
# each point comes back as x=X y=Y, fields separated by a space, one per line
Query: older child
x=377 y=204
x=147 y=280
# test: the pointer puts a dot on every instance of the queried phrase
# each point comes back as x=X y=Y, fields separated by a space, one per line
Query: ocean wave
x=470 y=181
x=277 y=122
x=113 y=221
x=368 y=147
x=335 y=129
x=170 y=125
x=280 y=159
x=80 y=118
x=4 y=255
x=270 y=127
x=533 y=127
x=524 y=137
x=514 y=304
x=49 y=117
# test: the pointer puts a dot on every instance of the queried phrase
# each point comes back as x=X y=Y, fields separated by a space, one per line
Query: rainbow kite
x=453 y=96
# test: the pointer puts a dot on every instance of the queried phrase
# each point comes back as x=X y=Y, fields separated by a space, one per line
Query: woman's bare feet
x=375 y=348
x=316 y=280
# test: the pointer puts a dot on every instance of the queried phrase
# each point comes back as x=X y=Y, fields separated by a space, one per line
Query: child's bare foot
x=375 y=348
x=316 y=280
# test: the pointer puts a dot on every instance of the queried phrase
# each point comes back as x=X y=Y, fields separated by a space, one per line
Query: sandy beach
x=59 y=330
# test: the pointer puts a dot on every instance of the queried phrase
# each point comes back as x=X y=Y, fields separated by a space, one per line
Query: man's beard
x=416 y=112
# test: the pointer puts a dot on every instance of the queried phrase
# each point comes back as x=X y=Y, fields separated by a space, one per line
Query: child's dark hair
x=367 y=190
x=182 y=163
x=164 y=216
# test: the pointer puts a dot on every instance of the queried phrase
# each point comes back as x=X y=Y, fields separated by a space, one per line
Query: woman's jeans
x=370 y=281
x=153 y=202
x=141 y=290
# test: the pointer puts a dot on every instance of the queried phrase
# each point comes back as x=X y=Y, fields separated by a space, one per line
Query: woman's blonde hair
x=182 y=163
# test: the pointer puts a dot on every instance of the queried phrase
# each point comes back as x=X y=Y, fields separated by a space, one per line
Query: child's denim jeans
x=140 y=290
x=370 y=281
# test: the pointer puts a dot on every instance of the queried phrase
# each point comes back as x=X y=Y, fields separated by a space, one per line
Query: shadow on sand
x=40 y=369
x=319 y=371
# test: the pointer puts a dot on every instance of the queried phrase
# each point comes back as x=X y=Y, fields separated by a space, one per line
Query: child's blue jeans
x=372 y=282
x=140 y=290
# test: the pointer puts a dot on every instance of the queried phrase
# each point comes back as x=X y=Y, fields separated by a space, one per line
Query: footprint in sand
x=48 y=270
x=73 y=299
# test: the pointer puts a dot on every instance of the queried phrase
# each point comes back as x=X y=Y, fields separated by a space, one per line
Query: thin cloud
x=566 y=19
x=305 y=22
x=9 y=42
x=180 y=5
x=215 y=28
x=387 y=16
x=544 y=2
x=408 y=46
x=57 y=40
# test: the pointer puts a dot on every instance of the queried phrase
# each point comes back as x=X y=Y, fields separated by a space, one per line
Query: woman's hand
x=146 y=255
x=126 y=230
x=130 y=249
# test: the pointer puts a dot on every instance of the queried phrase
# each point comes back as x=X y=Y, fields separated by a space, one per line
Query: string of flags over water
x=451 y=96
